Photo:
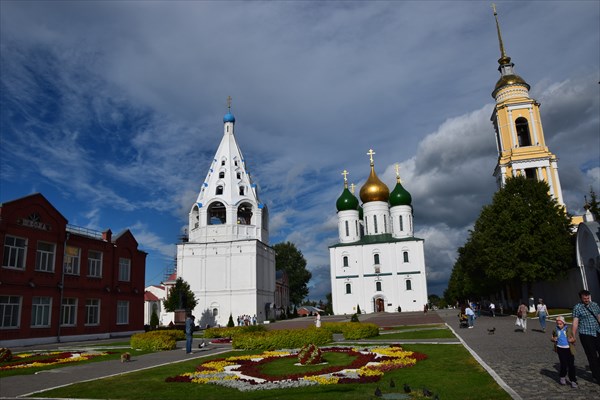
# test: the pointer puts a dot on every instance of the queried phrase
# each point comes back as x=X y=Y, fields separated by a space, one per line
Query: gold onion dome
x=374 y=189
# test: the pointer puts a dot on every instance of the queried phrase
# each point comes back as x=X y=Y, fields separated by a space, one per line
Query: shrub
x=157 y=340
x=5 y=354
x=358 y=308
x=354 y=318
x=230 y=323
x=282 y=339
x=352 y=330
x=355 y=331
x=232 y=332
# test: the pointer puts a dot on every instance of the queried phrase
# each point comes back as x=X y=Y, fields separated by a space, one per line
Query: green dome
x=400 y=196
x=347 y=201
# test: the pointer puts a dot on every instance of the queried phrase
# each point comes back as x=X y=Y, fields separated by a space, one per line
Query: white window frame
x=41 y=311
x=92 y=312
x=69 y=312
x=15 y=253
x=72 y=261
x=124 y=269
x=44 y=259
x=10 y=317
x=95 y=264
x=122 y=312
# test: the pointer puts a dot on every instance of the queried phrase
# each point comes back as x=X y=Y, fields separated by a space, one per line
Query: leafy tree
x=230 y=323
x=593 y=205
x=154 y=320
x=289 y=259
x=524 y=236
x=180 y=297
x=329 y=306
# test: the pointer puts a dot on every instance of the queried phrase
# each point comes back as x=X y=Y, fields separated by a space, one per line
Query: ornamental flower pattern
x=244 y=372
x=33 y=360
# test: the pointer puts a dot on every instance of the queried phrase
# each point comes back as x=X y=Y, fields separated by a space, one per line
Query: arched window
x=347 y=228
x=375 y=223
x=244 y=214
x=408 y=284
x=219 y=189
x=376 y=259
x=215 y=312
x=241 y=190
x=405 y=256
x=239 y=175
x=195 y=216
x=523 y=136
x=345 y=261
x=222 y=162
x=378 y=286
x=221 y=174
x=401 y=224
x=348 y=288
x=216 y=214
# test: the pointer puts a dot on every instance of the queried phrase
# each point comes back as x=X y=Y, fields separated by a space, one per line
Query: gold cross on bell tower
x=229 y=103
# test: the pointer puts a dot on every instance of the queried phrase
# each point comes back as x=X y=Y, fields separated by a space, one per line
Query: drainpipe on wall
x=61 y=287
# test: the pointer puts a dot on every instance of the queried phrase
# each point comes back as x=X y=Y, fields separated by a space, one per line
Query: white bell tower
x=227 y=260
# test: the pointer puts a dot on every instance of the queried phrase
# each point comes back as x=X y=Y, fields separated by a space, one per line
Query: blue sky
x=113 y=110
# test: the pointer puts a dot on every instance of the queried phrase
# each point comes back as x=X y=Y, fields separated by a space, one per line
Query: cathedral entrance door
x=379 y=305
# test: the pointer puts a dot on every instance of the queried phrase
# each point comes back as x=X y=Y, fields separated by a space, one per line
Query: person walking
x=189 y=333
x=586 y=322
x=493 y=309
x=542 y=312
x=470 y=315
x=564 y=345
x=522 y=317
x=318 y=320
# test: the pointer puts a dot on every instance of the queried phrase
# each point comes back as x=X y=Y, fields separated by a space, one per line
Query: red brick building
x=59 y=282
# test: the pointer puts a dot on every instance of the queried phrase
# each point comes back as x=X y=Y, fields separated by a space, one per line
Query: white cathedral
x=378 y=265
x=227 y=260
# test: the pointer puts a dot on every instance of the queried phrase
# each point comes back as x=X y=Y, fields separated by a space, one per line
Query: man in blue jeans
x=189 y=333
x=586 y=322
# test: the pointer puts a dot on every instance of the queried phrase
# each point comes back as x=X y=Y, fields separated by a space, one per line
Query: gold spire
x=371 y=153
x=398 y=173
x=345 y=173
x=504 y=59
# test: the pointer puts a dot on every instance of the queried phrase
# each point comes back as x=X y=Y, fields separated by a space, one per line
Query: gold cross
x=229 y=102
x=352 y=186
x=345 y=173
x=370 y=154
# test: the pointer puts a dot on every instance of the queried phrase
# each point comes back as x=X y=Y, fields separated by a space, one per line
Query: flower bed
x=33 y=360
x=244 y=372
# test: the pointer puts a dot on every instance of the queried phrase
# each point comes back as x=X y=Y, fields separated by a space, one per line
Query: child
x=564 y=344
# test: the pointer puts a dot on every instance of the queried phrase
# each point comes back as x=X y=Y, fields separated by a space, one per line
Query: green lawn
x=416 y=335
x=449 y=371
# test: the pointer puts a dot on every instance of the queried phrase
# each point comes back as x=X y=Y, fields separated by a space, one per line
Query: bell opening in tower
x=217 y=214
x=244 y=214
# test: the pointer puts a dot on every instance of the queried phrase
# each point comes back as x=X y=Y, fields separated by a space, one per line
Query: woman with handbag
x=564 y=345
